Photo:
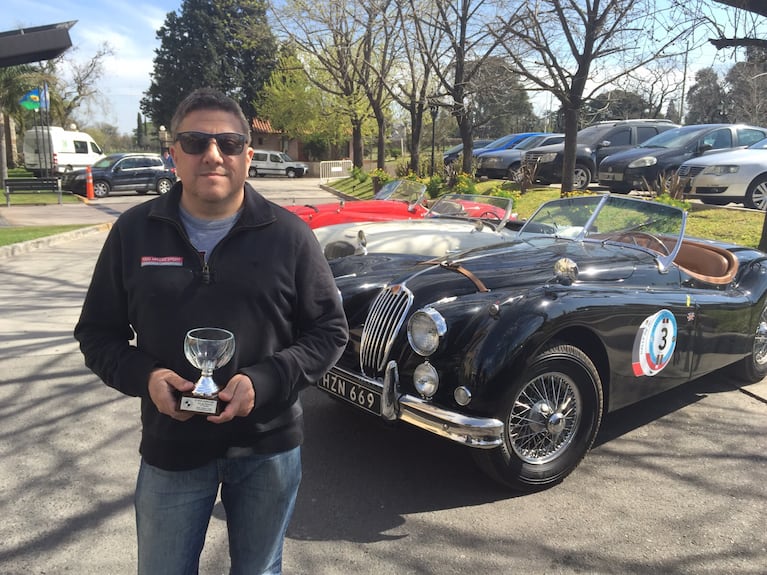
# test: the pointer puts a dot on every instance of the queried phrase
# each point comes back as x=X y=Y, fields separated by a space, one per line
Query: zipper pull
x=205 y=274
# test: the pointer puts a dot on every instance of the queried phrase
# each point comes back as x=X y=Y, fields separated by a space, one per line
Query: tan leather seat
x=707 y=263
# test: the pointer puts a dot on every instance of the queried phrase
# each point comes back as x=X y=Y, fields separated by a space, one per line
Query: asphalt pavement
x=675 y=485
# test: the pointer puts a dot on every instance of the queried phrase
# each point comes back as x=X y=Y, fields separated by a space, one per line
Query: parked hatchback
x=653 y=164
x=123 y=172
x=732 y=176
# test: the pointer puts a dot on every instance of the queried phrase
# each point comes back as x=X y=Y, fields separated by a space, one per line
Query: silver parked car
x=724 y=177
x=507 y=163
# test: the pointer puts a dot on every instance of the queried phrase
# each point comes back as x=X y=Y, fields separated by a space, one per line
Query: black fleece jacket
x=266 y=281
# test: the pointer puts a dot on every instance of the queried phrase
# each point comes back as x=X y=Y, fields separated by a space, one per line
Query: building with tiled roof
x=267 y=138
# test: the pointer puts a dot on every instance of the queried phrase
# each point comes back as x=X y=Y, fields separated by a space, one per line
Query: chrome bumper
x=479 y=432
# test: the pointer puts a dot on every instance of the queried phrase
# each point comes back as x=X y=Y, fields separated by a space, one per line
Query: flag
x=45 y=99
x=31 y=100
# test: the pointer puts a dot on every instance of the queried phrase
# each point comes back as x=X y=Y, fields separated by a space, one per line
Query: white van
x=54 y=149
x=269 y=162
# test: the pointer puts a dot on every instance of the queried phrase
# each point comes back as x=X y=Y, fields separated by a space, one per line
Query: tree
x=72 y=84
x=672 y=113
x=747 y=82
x=15 y=81
x=500 y=102
x=614 y=105
x=410 y=83
x=350 y=42
x=573 y=49
x=706 y=99
x=225 y=44
x=295 y=106
x=138 y=134
x=463 y=42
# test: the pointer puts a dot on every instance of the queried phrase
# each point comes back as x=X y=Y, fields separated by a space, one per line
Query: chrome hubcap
x=545 y=417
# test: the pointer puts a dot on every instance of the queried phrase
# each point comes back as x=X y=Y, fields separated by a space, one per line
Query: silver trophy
x=206 y=348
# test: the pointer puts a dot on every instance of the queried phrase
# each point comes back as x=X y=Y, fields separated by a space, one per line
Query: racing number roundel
x=654 y=344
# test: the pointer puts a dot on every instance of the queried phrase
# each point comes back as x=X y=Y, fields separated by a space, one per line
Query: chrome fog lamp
x=426 y=379
x=424 y=331
x=462 y=396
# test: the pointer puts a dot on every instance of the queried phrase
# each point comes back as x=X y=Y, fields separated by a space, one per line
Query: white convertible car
x=455 y=222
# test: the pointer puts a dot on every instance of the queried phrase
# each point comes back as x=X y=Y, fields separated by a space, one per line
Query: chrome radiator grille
x=384 y=320
x=687 y=171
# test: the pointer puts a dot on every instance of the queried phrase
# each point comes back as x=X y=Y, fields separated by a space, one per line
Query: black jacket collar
x=257 y=211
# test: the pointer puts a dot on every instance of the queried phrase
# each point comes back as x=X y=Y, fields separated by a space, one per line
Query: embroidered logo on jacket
x=164 y=261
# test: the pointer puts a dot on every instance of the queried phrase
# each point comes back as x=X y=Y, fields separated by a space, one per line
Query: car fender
x=501 y=341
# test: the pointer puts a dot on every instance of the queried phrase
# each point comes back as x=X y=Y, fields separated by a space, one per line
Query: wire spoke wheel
x=551 y=414
x=544 y=418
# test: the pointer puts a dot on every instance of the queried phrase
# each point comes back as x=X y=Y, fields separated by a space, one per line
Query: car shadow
x=627 y=419
x=356 y=466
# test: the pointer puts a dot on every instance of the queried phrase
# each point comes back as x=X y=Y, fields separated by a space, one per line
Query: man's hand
x=163 y=383
x=241 y=397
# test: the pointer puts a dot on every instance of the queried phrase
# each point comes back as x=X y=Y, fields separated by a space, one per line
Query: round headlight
x=462 y=396
x=426 y=379
x=424 y=331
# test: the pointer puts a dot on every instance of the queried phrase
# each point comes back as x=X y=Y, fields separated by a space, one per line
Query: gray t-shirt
x=205 y=234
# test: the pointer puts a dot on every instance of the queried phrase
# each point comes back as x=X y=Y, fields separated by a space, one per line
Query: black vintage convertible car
x=518 y=350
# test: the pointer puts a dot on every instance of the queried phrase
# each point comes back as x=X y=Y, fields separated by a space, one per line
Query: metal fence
x=335 y=169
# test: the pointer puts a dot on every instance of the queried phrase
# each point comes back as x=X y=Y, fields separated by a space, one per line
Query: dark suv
x=594 y=143
x=118 y=172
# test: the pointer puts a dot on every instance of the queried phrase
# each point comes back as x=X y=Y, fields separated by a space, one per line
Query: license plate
x=359 y=395
x=610 y=177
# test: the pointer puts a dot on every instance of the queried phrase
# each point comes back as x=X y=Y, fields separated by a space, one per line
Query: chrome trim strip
x=478 y=432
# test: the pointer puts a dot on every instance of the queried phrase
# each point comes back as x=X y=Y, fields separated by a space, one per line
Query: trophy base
x=204 y=404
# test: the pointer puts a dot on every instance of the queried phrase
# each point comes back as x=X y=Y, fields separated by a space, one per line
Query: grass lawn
x=742 y=227
x=15 y=235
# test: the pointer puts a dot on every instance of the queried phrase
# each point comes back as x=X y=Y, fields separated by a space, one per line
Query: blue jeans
x=173 y=509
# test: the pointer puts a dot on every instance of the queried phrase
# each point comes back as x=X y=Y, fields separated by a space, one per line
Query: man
x=213 y=252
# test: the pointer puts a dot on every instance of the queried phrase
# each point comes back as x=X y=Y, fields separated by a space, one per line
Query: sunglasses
x=196 y=143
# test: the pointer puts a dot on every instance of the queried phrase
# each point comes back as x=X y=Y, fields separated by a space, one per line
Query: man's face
x=213 y=181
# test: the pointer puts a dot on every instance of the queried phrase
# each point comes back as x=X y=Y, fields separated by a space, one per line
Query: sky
x=129 y=27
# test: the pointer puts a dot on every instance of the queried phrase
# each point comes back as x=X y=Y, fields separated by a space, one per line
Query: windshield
x=492 y=209
x=760 y=145
x=532 y=142
x=106 y=162
x=285 y=157
x=500 y=141
x=606 y=218
x=402 y=191
x=592 y=135
x=675 y=138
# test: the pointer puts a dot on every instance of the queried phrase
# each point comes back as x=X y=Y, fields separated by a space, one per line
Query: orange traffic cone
x=89 y=184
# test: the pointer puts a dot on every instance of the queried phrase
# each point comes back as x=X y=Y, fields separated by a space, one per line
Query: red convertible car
x=396 y=200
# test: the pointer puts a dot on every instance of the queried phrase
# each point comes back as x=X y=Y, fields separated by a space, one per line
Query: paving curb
x=31 y=245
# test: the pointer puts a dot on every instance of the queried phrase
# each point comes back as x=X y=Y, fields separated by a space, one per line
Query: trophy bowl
x=206 y=348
